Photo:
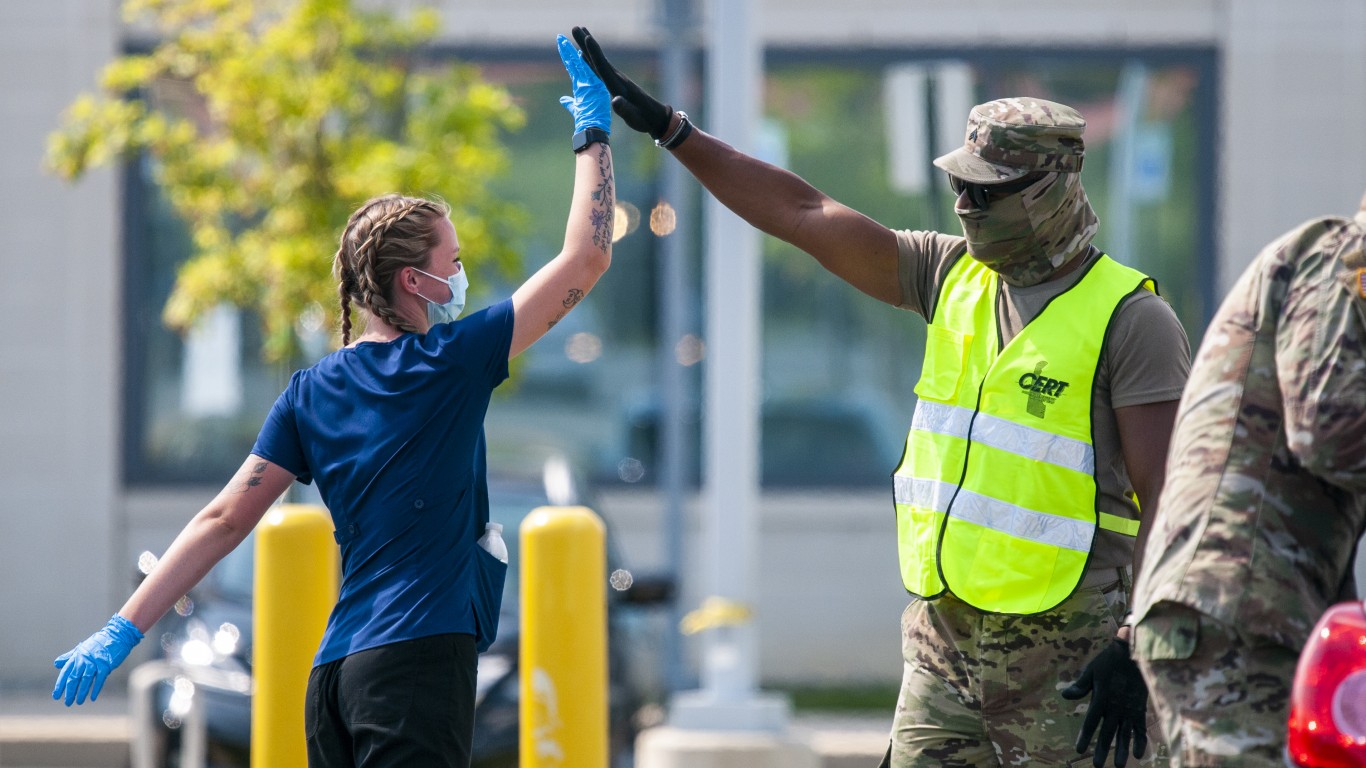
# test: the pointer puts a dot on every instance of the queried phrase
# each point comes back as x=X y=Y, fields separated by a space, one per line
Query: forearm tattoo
x=601 y=217
x=255 y=476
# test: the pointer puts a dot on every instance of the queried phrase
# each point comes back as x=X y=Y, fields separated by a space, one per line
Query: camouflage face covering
x=1025 y=237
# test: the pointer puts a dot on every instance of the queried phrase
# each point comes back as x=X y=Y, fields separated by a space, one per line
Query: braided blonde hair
x=382 y=237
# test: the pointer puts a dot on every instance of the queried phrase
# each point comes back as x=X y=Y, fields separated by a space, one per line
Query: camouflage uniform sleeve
x=1319 y=358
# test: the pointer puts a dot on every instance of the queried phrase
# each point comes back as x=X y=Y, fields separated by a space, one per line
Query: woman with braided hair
x=391 y=427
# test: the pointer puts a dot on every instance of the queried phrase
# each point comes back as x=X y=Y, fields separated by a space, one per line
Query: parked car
x=810 y=443
x=208 y=638
x=1328 y=699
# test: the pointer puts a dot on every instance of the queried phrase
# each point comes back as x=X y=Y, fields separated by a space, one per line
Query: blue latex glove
x=85 y=667
x=591 y=104
x=640 y=110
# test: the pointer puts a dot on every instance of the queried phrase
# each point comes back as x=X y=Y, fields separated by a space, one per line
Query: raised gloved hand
x=85 y=667
x=639 y=109
x=1119 y=705
x=590 y=104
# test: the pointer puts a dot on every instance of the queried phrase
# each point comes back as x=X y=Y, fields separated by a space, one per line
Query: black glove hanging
x=1119 y=705
x=640 y=110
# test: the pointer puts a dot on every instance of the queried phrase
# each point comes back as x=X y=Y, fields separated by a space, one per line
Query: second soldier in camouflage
x=1265 y=498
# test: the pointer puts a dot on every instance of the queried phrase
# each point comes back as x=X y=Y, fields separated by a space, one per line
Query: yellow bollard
x=295 y=586
x=563 y=639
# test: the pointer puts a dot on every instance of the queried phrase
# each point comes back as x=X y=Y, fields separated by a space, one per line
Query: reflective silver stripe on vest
x=995 y=514
x=1023 y=523
x=1005 y=435
x=925 y=494
x=941 y=419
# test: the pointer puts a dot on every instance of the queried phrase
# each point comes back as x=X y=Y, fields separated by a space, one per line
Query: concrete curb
x=85 y=741
x=36 y=732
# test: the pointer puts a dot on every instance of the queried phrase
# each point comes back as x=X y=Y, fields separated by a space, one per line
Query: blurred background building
x=1213 y=126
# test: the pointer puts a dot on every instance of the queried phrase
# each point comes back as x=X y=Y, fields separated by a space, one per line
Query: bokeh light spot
x=689 y=350
x=583 y=347
x=630 y=470
x=625 y=220
x=663 y=220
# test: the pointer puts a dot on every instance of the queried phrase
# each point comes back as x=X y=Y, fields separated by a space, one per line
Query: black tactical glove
x=640 y=110
x=1119 y=705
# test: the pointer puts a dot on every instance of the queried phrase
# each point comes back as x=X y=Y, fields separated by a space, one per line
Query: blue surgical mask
x=444 y=313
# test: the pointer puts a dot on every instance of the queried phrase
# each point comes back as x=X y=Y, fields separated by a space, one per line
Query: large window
x=192 y=403
x=838 y=367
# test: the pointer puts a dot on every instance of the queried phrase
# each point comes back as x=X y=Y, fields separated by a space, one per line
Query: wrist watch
x=588 y=136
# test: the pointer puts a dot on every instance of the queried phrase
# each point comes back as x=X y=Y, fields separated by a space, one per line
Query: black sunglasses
x=981 y=195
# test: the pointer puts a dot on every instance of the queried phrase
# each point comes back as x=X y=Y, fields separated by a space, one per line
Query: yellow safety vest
x=996 y=492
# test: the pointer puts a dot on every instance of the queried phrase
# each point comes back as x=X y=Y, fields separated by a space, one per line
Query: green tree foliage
x=270 y=121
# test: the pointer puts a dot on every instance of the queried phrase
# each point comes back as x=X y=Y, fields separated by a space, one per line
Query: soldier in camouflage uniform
x=1265 y=498
x=981 y=687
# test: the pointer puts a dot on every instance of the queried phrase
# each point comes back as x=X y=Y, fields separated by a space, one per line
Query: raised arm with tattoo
x=399 y=266
x=549 y=294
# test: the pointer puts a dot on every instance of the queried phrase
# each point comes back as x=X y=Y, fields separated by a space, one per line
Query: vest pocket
x=946 y=354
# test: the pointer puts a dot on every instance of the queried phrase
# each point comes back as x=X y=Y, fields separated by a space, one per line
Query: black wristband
x=588 y=136
x=680 y=133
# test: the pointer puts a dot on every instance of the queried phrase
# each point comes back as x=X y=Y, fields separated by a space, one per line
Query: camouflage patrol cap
x=1008 y=138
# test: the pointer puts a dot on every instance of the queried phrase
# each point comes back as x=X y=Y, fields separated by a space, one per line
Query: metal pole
x=142 y=685
x=676 y=301
x=732 y=434
x=727 y=700
x=194 y=733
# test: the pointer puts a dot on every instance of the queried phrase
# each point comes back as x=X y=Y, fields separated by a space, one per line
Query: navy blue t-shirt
x=393 y=433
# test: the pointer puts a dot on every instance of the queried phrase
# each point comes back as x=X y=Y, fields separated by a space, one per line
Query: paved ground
x=37 y=732
x=845 y=741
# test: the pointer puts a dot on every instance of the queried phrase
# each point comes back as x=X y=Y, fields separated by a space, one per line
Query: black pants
x=406 y=704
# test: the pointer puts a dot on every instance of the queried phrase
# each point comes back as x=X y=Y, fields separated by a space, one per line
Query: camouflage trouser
x=1219 y=700
x=982 y=689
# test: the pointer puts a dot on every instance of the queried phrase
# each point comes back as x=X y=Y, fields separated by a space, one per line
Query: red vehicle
x=1328 y=701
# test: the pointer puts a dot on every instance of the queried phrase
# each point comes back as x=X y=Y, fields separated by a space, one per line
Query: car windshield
x=232 y=577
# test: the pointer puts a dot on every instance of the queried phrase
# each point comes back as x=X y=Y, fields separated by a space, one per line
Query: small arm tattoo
x=574 y=296
x=255 y=476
